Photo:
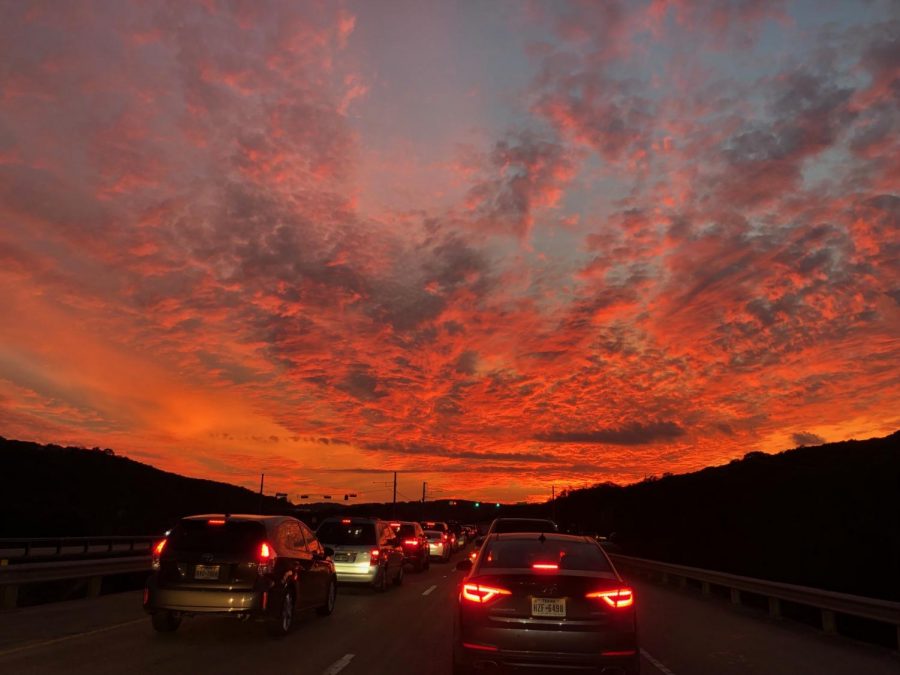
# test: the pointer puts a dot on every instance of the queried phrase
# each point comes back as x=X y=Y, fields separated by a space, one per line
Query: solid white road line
x=430 y=588
x=659 y=666
x=338 y=665
x=66 y=638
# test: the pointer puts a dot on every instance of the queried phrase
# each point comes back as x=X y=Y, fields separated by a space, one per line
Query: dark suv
x=414 y=542
x=264 y=567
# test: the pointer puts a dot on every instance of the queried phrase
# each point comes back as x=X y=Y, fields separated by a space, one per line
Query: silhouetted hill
x=825 y=516
x=48 y=490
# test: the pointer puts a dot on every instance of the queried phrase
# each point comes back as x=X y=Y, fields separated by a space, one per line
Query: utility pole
x=422 y=515
x=394 y=507
x=553 y=501
x=262 y=478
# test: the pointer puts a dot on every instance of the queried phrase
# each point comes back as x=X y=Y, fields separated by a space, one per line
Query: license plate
x=344 y=557
x=208 y=572
x=548 y=606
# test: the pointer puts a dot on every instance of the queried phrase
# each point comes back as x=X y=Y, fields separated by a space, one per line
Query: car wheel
x=330 y=599
x=399 y=578
x=165 y=621
x=381 y=582
x=281 y=624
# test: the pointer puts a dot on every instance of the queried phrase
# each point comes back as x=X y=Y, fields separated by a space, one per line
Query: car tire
x=165 y=621
x=330 y=599
x=280 y=625
x=381 y=582
x=399 y=578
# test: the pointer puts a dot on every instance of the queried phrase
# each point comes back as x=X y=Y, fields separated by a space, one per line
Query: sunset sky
x=495 y=246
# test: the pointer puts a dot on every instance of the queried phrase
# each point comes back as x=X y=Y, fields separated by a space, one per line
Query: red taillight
x=346 y=521
x=473 y=555
x=216 y=521
x=374 y=555
x=484 y=648
x=411 y=542
x=395 y=525
x=482 y=594
x=267 y=558
x=617 y=598
x=545 y=566
x=444 y=537
x=157 y=551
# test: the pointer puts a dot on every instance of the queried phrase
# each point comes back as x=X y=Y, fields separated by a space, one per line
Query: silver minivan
x=366 y=551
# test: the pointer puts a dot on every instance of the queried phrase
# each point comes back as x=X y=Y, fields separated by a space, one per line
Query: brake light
x=374 y=555
x=216 y=521
x=267 y=558
x=617 y=598
x=346 y=521
x=411 y=542
x=157 y=552
x=444 y=537
x=482 y=594
x=545 y=566
x=395 y=524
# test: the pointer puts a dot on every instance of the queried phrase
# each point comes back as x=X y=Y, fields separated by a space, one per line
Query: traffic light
x=477 y=504
x=497 y=505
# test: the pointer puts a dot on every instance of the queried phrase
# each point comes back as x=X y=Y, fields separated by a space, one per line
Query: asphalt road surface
x=406 y=630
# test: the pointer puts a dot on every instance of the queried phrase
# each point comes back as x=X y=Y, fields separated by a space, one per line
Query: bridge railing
x=828 y=603
x=46 y=559
x=28 y=549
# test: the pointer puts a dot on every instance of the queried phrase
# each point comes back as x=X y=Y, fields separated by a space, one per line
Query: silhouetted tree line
x=826 y=516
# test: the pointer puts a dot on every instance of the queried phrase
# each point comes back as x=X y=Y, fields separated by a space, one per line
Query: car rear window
x=231 y=538
x=433 y=534
x=523 y=553
x=342 y=534
x=524 y=526
x=407 y=531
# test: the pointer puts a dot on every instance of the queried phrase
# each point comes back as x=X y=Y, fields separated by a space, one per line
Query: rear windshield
x=433 y=534
x=525 y=526
x=435 y=526
x=407 y=531
x=232 y=538
x=353 y=534
x=569 y=555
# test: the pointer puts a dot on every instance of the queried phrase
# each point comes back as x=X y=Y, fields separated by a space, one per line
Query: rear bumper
x=203 y=600
x=437 y=550
x=356 y=573
x=591 y=649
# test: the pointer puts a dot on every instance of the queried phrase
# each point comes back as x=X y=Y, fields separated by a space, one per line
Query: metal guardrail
x=39 y=560
x=20 y=549
x=828 y=603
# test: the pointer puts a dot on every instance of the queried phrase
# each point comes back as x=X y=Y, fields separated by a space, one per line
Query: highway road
x=406 y=630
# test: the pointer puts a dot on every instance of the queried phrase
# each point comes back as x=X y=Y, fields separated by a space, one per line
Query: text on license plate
x=206 y=572
x=548 y=606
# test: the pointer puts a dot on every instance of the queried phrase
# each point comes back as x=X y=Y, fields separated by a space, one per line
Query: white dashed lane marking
x=428 y=590
x=338 y=665
x=659 y=666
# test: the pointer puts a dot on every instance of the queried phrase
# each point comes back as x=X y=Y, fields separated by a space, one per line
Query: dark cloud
x=806 y=438
x=629 y=434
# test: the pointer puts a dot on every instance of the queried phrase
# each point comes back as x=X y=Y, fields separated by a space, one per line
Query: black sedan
x=544 y=600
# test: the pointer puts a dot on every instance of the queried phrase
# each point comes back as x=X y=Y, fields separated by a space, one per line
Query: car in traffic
x=438 y=545
x=414 y=543
x=544 y=601
x=442 y=527
x=366 y=551
x=251 y=566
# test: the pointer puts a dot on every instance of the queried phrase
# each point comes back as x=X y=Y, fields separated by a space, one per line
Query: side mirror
x=329 y=552
x=464 y=565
